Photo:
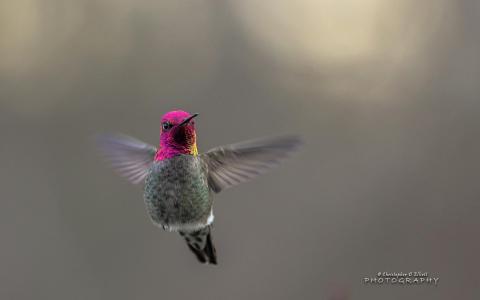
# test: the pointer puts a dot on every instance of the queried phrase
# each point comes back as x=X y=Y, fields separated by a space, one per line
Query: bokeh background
x=385 y=94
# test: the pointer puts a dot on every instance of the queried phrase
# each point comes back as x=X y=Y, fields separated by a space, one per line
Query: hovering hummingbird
x=180 y=182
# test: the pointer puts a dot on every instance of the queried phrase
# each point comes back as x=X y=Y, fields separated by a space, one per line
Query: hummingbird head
x=177 y=134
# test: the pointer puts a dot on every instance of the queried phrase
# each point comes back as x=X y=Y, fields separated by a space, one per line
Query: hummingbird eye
x=166 y=125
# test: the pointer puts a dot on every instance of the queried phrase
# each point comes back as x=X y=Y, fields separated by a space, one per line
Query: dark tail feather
x=201 y=244
x=199 y=254
x=210 y=249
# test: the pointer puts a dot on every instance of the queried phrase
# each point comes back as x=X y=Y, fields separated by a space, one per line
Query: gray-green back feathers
x=177 y=195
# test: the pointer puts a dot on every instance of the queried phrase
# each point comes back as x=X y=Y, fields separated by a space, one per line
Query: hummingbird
x=179 y=183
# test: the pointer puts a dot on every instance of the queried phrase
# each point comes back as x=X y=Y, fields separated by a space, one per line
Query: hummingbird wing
x=130 y=157
x=233 y=164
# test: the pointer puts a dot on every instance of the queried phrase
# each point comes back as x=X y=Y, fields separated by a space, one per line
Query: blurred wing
x=237 y=163
x=130 y=157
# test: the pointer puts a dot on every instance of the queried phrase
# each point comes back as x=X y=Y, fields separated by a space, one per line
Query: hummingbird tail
x=201 y=244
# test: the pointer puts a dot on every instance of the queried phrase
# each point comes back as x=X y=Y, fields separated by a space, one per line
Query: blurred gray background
x=385 y=94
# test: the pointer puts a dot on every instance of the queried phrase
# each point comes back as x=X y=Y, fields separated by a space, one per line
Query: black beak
x=187 y=120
